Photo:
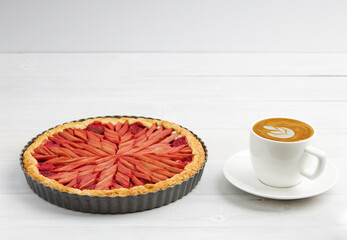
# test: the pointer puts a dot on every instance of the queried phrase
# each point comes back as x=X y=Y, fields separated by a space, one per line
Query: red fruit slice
x=126 y=137
x=58 y=151
x=135 y=128
x=116 y=186
x=151 y=167
x=93 y=136
x=69 y=137
x=94 y=143
x=159 y=176
x=129 y=159
x=73 y=183
x=124 y=128
x=70 y=176
x=161 y=162
x=40 y=150
x=176 y=156
x=46 y=167
x=64 y=175
x=112 y=136
x=160 y=135
x=52 y=144
x=96 y=127
x=123 y=169
x=69 y=130
x=125 y=147
x=140 y=133
x=59 y=175
x=109 y=147
x=109 y=125
x=86 y=169
x=108 y=172
x=90 y=187
x=72 y=145
x=122 y=179
x=81 y=134
x=151 y=130
x=87 y=180
x=94 y=150
x=186 y=150
x=105 y=165
x=158 y=131
x=174 y=149
x=105 y=180
x=139 y=167
x=166 y=164
x=126 y=164
x=155 y=179
x=136 y=181
x=47 y=150
x=118 y=126
x=83 y=153
x=149 y=142
x=157 y=148
x=165 y=173
x=74 y=165
x=139 y=138
x=63 y=160
x=56 y=139
x=179 y=141
x=69 y=152
x=139 y=141
x=104 y=184
x=141 y=175
x=104 y=159
x=170 y=138
x=40 y=157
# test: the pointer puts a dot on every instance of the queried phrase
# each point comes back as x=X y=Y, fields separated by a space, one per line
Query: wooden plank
x=174 y=232
x=172 y=64
x=191 y=113
x=174 y=88
x=26 y=211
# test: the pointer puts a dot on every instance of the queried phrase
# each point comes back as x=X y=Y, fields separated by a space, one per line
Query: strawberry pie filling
x=107 y=156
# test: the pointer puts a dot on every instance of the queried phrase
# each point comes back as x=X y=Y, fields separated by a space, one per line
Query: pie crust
x=198 y=160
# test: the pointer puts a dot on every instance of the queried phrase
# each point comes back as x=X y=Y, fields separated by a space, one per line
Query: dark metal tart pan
x=117 y=204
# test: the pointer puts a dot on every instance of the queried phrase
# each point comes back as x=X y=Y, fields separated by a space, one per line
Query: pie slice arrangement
x=114 y=157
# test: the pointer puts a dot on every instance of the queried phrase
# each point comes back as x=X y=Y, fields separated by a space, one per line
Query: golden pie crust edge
x=29 y=162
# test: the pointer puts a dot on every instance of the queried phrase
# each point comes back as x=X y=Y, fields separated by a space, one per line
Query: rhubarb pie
x=114 y=156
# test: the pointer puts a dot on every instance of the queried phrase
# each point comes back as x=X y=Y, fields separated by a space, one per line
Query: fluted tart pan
x=118 y=198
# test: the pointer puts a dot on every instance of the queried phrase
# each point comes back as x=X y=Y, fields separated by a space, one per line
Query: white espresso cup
x=281 y=164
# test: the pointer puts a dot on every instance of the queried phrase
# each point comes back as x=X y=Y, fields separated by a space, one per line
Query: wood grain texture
x=201 y=93
x=173 y=25
x=172 y=64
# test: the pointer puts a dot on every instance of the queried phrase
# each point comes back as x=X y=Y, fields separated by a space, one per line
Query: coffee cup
x=280 y=148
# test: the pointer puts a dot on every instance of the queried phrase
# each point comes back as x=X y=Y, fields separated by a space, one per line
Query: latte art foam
x=280 y=132
x=283 y=129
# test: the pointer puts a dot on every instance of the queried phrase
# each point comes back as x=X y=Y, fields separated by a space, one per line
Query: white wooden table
x=217 y=96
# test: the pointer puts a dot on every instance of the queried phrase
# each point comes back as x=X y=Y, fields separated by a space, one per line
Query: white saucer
x=239 y=171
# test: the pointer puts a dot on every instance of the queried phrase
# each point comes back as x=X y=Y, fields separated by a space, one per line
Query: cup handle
x=322 y=161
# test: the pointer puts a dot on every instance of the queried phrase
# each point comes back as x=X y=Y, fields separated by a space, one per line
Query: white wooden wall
x=173 y=26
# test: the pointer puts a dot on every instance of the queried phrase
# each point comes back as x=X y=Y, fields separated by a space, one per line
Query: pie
x=114 y=156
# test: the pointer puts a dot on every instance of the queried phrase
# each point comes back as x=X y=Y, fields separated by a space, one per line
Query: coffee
x=278 y=154
x=283 y=129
